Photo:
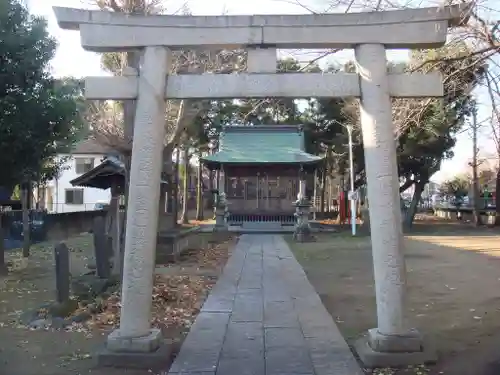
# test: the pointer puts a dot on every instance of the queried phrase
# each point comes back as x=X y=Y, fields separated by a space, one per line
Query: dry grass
x=453 y=284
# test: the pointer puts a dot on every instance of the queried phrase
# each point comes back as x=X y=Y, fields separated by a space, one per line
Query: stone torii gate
x=369 y=34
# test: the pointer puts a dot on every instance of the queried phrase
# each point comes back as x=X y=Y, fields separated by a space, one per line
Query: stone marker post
x=61 y=255
x=102 y=248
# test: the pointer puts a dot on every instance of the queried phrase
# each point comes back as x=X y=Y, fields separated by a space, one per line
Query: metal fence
x=57 y=208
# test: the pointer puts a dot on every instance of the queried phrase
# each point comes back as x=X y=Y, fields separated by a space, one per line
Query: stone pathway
x=263 y=317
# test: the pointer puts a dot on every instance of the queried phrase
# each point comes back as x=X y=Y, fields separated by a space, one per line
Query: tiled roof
x=103 y=176
x=90 y=146
x=270 y=144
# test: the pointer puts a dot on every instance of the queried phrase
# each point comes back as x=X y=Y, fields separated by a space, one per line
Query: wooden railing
x=240 y=219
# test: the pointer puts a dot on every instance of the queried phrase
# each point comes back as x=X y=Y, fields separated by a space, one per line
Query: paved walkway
x=263 y=317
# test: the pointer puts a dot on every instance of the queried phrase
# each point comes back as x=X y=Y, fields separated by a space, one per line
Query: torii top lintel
x=409 y=28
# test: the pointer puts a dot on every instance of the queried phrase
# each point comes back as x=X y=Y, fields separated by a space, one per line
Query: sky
x=72 y=60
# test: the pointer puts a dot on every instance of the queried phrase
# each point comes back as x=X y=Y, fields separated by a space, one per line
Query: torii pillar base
x=146 y=353
x=377 y=350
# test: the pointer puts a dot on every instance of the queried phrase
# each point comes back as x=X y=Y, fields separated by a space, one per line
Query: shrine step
x=261 y=225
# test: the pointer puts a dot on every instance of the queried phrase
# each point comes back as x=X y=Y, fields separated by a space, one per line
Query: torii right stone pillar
x=392 y=343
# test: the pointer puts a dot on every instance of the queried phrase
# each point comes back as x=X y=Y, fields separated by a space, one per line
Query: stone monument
x=302 y=231
x=221 y=213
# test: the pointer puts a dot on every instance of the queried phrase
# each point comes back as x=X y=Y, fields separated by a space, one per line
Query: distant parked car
x=37 y=226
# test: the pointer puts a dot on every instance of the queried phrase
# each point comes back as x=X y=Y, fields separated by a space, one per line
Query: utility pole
x=352 y=194
x=474 y=165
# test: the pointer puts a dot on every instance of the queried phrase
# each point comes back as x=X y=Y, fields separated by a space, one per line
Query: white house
x=61 y=196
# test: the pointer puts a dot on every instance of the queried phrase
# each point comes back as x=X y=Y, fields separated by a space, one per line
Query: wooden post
x=257 y=188
x=267 y=191
x=114 y=213
x=222 y=176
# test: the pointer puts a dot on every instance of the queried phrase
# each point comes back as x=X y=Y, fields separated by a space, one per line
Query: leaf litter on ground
x=176 y=300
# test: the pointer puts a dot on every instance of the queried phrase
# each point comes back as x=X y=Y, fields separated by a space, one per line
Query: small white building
x=61 y=196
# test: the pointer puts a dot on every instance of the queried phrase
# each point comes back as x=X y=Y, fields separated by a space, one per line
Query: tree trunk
x=57 y=196
x=322 y=192
x=217 y=187
x=185 y=190
x=475 y=181
x=406 y=185
x=475 y=204
x=175 y=189
x=170 y=192
x=199 y=190
x=315 y=194
x=412 y=210
x=42 y=197
x=342 y=203
x=25 y=196
x=3 y=265
x=497 y=206
x=211 y=188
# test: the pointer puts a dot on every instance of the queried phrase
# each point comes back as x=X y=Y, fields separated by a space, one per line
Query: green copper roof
x=273 y=144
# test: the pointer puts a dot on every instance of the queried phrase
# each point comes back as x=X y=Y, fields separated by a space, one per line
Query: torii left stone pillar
x=135 y=334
